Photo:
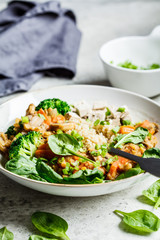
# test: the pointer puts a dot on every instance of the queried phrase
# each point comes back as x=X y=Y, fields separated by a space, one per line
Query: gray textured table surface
x=88 y=218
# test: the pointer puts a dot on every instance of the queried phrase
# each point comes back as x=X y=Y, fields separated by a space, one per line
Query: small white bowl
x=141 y=51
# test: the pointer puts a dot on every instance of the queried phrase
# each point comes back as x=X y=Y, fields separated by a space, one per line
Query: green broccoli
x=25 y=145
x=11 y=131
x=62 y=107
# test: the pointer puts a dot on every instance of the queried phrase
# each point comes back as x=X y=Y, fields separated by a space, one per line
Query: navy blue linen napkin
x=36 y=40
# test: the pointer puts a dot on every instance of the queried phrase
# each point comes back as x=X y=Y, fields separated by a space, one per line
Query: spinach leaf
x=21 y=166
x=131 y=172
x=37 y=237
x=153 y=193
x=86 y=176
x=47 y=173
x=36 y=177
x=64 y=145
x=5 y=234
x=51 y=224
x=134 y=137
x=141 y=220
x=152 y=152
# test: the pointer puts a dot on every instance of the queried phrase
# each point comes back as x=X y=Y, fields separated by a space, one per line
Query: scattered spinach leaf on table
x=153 y=193
x=152 y=153
x=64 y=144
x=141 y=220
x=37 y=237
x=134 y=137
x=5 y=234
x=50 y=224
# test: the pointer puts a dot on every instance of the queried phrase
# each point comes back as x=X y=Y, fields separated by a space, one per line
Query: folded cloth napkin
x=36 y=40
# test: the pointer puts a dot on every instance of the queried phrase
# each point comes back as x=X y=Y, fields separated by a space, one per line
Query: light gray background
x=88 y=218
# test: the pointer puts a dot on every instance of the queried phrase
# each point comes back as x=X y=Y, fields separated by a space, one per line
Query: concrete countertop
x=88 y=218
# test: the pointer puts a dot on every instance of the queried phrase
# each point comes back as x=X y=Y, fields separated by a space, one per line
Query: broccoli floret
x=11 y=131
x=62 y=107
x=25 y=145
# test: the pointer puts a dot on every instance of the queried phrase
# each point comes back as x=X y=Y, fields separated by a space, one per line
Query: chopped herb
x=96 y=122
x=126 y=122
x=121 y=109
x=54 y=160
x=97 y=147
x=141 y=145
x=41 y=116
x=108 y=112
x=116 y=129
x=59 y=131
x=76 y=135
x=18 y=135
x=25 y=119
x=104 y=123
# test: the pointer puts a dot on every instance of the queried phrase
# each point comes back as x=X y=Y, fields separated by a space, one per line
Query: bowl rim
x=6 y=172
x=122 y=68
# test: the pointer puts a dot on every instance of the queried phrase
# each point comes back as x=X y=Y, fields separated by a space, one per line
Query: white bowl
x=140 y=107
x=141 y=51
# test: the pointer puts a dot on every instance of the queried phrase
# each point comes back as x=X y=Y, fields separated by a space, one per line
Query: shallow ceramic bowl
x=141 y=51
x=140 y=107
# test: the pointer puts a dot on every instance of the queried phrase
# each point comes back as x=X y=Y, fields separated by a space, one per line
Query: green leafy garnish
x=121 y=109
x=50 y=224
x=134 y=137
x=153 y=193
x=25 y=119
x=37 y=237
x=126 y=122
x=21 y=166
x=5 y=234
x=152 y=153
x=131 y=172
x=65 y=145
x=108 y=112
x=141 y=220
x=96 y=122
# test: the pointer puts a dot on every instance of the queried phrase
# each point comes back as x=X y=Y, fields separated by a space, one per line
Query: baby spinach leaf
x=153 y=193
x=37 y=237
x=141 y=220
x=5 y=234
x=134 y=137
x=21 y=166
x=47 y=173
x=51 y=224
x=131 y=172
x=64 y=144
x=152 y=152
x=36 y=177
x=86 y=177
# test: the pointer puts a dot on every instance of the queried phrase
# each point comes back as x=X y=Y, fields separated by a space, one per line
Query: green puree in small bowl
x=130 y=65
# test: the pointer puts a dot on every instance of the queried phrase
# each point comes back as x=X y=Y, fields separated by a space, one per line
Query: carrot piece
x=113 y=172
x=148 y=125
x=58 y=118
x=126 y=129
x=47 y=118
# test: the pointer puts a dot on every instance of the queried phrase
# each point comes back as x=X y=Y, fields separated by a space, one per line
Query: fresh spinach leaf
x=153 y=193
x=64 y=144
x=152 y=152
x=22 y=166
x=5 y=234
x=37 y=237
x=36 y=177
x=134 y=137
x=86 y=176
x=51 y=224
x=47 y=173
x=141 y=220
x=131 y=172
